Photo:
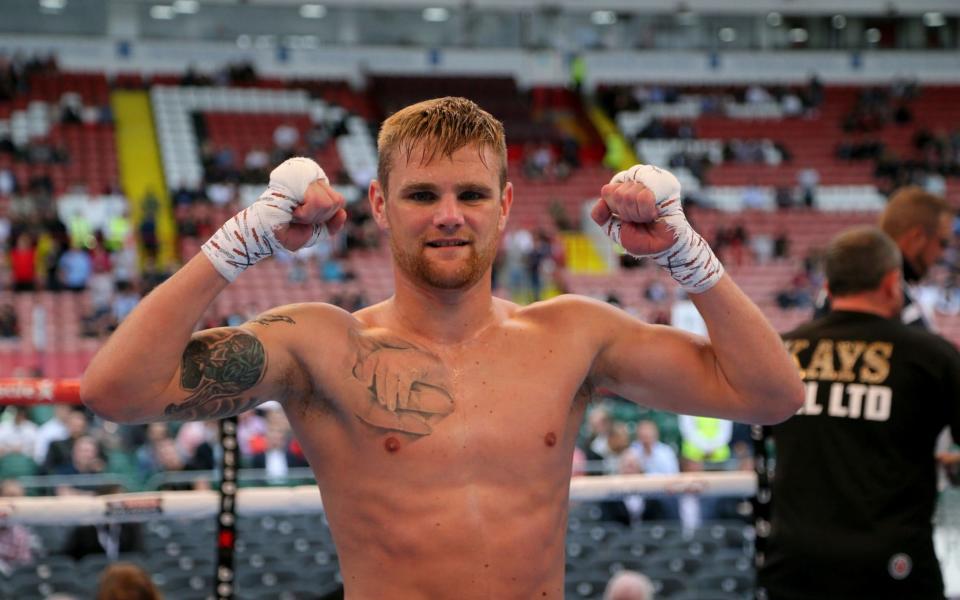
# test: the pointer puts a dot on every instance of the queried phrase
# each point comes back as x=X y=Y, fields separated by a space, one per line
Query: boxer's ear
x=506 y=201
x=378 y=204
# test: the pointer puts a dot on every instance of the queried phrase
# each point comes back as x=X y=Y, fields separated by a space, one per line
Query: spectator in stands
x=198 y=441
x=705 y=442
x=147 y=461
x=256 y=165
x=705 y=445
x=168 y=461
x=781 y=245
x=656 y=291
x=9 y=323
x=126 y=581
x=74 y=269
x=799 y=293
x=277 y=457
x=147 y=230
x=84 y=458
x=285 y=140
x=109 y=539
x=8 y=183
x=23 y=264
x=656 y=458
x=619 y=461
x=629 y=585
x=540 y=262
x=517 y=247
x=52 y=430
x=59 y=451
x=318 y=136
x=808 y=179
x=124 y=301
x=599 y=424
x=17 y=543
x=17 y=433
x=250 y=425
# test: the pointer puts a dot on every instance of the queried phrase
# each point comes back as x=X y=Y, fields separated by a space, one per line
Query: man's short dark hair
x=858 y=259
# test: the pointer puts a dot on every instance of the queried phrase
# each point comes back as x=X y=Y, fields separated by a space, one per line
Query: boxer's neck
x=443 y=316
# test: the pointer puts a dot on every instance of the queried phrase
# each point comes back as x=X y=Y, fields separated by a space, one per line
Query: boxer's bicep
x=664 y=368
x=229 y=370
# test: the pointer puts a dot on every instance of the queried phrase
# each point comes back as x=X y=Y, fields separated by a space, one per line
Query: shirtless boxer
x=440 y=423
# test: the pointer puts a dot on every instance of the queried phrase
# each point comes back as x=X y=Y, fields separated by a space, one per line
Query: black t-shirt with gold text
x=855 y=484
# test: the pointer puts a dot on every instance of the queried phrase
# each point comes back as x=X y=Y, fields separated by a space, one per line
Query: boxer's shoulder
x=572 y=313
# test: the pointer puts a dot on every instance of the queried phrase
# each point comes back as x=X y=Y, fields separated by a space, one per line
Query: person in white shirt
x=17 y=434
x=53 y=429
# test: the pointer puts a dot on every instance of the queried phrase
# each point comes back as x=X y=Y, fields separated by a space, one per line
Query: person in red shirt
x=23 y=264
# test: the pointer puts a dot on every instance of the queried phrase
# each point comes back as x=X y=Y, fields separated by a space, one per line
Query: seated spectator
x=781 y=245
x=9 y=323
x=23 y=259
x=599 y=424
x=16 y=541
x=285 y=140
x=18 y=433
x=147 y=454
x=109 y=539
x=169 y=461
x=655 y=458
x=278 y=455
x=74 y=269
x=256 y=165
x=52 y=430
x=124 y=301
x=705 y=446
x=60 y=452
x=629 y=585
x=798 y=294
x=84 y=460
x=126 y=581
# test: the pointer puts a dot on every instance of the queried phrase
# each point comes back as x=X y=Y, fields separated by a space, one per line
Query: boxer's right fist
x=322 y=206
x=290 y=213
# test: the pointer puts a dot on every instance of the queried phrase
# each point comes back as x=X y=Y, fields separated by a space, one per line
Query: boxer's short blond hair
x=440 y=127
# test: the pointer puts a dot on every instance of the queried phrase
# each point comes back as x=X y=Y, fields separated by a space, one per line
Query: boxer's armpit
x=218 y=367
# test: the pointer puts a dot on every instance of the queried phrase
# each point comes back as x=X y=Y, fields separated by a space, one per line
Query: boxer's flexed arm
x=152 y=368
x=742 y=372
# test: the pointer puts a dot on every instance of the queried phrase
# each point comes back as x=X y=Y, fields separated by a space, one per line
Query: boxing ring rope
x=145 y=506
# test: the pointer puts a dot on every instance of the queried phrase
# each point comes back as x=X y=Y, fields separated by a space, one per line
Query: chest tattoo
x=407 y=387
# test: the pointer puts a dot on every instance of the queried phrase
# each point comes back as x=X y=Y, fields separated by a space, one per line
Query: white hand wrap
x=690 y=261
x=250 y=236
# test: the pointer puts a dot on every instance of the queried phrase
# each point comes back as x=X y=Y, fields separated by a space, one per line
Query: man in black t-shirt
x=855 y=486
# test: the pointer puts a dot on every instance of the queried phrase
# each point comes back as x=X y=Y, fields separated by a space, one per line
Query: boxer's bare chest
x=513 y=392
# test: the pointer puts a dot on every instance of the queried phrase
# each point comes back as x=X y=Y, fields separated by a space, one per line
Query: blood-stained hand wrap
x=690 y=261
x=250 y=236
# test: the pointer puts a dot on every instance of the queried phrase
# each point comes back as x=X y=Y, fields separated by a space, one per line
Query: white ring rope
x=146 y=506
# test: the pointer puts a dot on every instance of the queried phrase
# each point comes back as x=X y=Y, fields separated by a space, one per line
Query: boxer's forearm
x=139 y=361
x=749 y=353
